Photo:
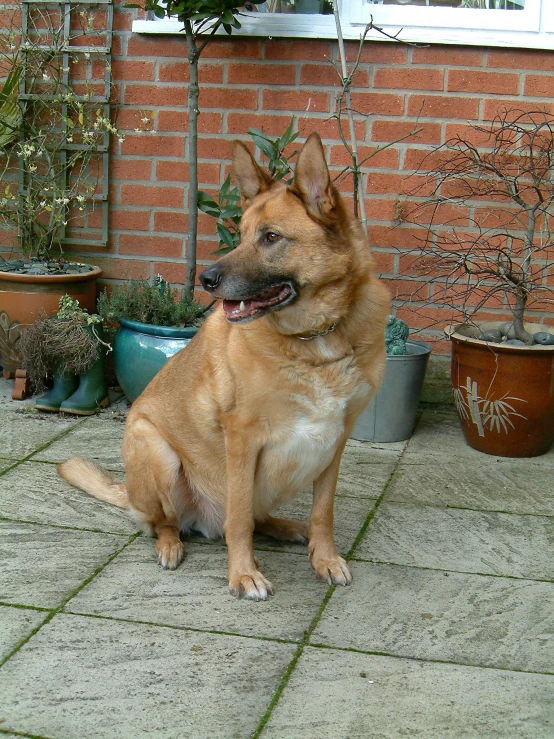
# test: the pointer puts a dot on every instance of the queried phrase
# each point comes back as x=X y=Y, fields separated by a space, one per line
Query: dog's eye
x=271 y=237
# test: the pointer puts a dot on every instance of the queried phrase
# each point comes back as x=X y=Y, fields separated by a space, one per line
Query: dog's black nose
x=211 y=277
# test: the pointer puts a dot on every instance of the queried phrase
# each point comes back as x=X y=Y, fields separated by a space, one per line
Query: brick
x=377 y=52
x=154 y=145
x=439 y=106
x=171 y=221
x=174 y=272
x=152 y=246
x=327 y=128
x=170 y=46
x=521 y=59
x=448 y=56
x=122 y=20
x=378 y=103
x=304 y=49
x=155 y=95
x=468 y=133
x=393 y=130
x=265 y=74
x=178 y=171
x=497 y=83
x=123 y=269
x=130 y=169
x=410 y=78
x=399 y=237
x=271 y=124
x=383 y=262
x=180 y=72
x=126 y=69
x=494 y=107
x=129 y=220
x=326 y=74
x=404 y=289
x=228 y=98
x=155 y=195
x=381 y=209
x=381 y=184
x=238 y=47
x=539 y=85
x=369 y=156
x=214 y=148
x=300 y=100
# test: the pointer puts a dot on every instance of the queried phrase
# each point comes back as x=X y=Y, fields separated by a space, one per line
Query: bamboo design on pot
x=485 y=413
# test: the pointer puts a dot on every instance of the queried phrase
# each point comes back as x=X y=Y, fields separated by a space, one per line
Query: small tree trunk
x=521 y=299
x=193 y=112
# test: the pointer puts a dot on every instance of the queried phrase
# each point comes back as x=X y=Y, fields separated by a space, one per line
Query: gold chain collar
x=315 y=334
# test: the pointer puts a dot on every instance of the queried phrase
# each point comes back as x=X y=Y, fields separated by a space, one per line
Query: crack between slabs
x=64 y=527
x=307 y=634
x=62 y=605
x=26 y=736
x=42 y=447
x=422 y=504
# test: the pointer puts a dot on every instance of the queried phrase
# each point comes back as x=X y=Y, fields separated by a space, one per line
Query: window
x=504 y=23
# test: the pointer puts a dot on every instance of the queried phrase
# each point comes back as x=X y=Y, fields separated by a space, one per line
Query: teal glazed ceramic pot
x=142 y=349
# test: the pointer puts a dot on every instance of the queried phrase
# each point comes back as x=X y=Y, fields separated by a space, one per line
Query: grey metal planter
x=392 y=413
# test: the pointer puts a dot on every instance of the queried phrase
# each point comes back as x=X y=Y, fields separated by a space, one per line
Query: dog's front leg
x=324 y=558
x=244 y=577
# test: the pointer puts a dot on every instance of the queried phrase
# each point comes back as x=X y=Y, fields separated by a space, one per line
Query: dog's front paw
x=332 y=570
x=252 y=585
x=170 y=554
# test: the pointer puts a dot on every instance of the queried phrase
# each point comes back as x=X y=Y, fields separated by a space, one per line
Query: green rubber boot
x=92 y=393
x=64 y=386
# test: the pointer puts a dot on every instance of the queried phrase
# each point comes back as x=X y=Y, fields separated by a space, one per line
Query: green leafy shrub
x=156 y=303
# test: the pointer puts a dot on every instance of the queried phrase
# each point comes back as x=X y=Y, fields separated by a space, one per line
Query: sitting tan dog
x=261 y=403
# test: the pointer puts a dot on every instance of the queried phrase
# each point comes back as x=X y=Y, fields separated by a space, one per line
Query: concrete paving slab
x=425 y=614
x=35 y=492
x=514 y=486
x=22 y=433
x=195 y=595
x=97 y=440
x=5 y=463
x=15 y=625
x=344 y=695
x=41 y=566
x=86 y=677
x=461 y=541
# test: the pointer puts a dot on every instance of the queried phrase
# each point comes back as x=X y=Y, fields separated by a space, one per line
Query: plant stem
x=193 y=111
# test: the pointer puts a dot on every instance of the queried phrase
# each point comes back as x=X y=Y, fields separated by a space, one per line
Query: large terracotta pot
x=23 y=297
x=504 y=394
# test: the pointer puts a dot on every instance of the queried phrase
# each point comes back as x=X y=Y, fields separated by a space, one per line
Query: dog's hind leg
x=284 y=529
x=155 y=487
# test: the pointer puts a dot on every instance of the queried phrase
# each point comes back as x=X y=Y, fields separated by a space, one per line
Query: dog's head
x=294 y=244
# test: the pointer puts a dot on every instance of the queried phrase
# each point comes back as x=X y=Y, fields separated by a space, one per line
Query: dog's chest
x=305 y=431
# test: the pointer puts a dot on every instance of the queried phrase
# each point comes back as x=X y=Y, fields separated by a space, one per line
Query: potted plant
x=495 y=254
x=52 y=134
x=69 y=348
x=392 y=413
x=154 y=324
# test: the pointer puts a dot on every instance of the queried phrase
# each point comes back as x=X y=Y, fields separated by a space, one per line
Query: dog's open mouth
x=247 y=309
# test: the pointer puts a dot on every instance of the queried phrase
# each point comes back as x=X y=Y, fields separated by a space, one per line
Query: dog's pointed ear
x=250 y=177
x=311 y=178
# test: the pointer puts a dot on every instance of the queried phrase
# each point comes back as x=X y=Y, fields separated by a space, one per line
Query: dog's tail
x=94 y=480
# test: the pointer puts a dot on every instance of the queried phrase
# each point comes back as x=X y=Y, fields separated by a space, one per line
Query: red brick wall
x=261 y=83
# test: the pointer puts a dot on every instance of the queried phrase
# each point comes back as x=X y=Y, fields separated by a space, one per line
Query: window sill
x=323 y=27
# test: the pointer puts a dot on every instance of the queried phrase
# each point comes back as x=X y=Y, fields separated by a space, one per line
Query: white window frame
x=531 y=27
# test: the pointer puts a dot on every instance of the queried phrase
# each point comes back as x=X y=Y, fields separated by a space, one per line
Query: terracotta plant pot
x=23 y=297
x=504 y=394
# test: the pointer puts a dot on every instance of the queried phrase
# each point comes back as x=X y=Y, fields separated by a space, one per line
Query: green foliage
x=156 y=303
x=226 y=210
x=203 y=13
x=69 y=309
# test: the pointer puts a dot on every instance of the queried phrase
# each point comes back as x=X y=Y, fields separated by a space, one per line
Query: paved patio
x=447 y=630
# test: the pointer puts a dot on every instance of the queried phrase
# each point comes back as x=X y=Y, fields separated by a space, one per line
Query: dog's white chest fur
x=302 y=444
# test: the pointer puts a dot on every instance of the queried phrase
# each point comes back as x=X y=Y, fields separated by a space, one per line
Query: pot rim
x=454 y=331
x=152 y=329
x=70 y=277
x=423 y=348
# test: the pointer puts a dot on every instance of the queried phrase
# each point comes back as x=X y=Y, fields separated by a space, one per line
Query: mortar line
x=453 y=572
x=431 y=660
x=43 y=447
x=65 y=527
x=62 y=605
x=307 y=634
x=26 y=736
x=447 y=507
x=194 y=630
x=24 y=607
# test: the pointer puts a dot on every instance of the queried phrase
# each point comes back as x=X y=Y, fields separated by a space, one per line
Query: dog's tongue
x=239 y=309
